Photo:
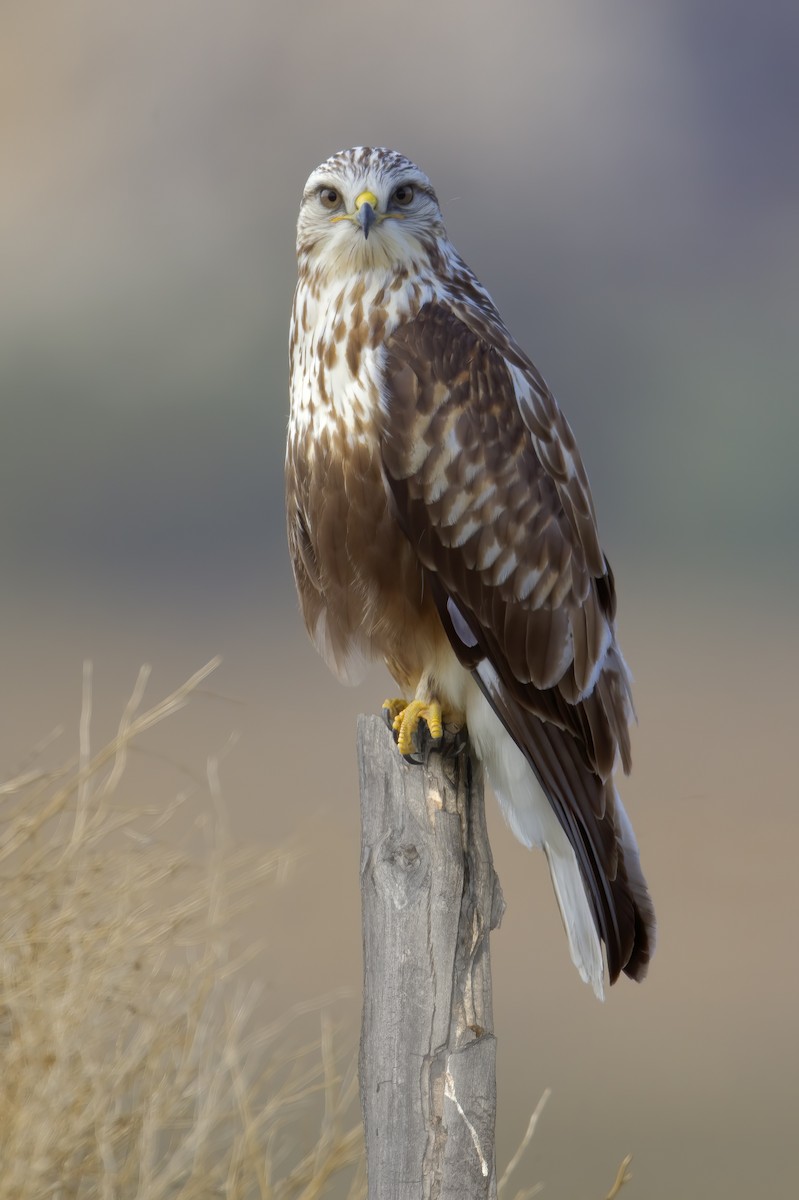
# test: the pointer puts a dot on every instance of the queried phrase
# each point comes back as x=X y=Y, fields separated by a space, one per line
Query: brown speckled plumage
x=440 y=518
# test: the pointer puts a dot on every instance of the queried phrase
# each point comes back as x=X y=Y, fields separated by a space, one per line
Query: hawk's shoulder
x=470 y=420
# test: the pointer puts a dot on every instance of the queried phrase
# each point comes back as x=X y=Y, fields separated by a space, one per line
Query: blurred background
x=624 y=178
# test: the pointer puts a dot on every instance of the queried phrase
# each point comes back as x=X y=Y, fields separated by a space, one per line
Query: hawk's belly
x=360 y=584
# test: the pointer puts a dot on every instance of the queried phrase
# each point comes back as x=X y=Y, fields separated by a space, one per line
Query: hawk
x=440 y=519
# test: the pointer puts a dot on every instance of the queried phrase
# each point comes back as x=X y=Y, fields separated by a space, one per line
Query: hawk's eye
x=403 y=195
x=329 y=197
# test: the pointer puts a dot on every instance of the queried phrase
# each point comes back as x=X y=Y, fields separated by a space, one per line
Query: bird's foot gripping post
x=420 y=727
x=430 y=898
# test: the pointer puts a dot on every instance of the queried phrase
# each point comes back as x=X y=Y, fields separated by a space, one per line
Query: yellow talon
x=406 y=722
x=393 y=708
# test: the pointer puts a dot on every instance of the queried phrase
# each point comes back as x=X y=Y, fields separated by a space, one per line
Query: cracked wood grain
x=430 y=898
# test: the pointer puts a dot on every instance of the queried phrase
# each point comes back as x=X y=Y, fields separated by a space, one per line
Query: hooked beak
x=365 y=214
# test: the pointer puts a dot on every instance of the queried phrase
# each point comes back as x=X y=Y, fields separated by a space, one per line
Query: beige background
x=624 y=180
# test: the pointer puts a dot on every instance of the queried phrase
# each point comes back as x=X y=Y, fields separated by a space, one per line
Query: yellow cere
x=366 y=198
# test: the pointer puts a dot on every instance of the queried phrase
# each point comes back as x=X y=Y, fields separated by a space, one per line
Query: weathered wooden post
x=430 y=898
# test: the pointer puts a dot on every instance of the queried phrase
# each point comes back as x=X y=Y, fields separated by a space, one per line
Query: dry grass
x=623 y=1174
x=130 y=1065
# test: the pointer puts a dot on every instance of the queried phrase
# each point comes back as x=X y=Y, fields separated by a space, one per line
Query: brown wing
x=489 y=488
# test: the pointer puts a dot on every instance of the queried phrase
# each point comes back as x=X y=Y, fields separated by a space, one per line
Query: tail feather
x=533 y=821
x=578 y=921
x=553 y=799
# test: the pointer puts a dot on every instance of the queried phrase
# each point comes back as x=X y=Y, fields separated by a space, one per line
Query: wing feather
x=488 y=486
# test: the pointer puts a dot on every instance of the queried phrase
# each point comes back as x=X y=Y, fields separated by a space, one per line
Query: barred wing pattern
x=487 y=484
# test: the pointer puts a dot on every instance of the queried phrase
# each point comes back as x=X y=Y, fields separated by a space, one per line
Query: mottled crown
x=376 y=162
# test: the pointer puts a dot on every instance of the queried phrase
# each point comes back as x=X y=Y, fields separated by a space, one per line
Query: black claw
x=423 y=746
x=450 y=744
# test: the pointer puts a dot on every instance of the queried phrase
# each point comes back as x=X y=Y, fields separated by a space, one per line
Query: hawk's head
x=366 y=208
